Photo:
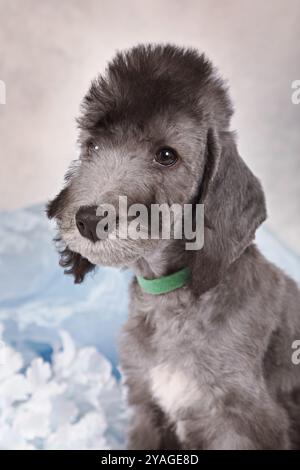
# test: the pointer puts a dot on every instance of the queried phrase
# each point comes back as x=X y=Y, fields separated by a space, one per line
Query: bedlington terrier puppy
x=207 y=356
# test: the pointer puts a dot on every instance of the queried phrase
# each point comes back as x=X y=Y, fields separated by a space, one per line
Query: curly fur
x=207 y=366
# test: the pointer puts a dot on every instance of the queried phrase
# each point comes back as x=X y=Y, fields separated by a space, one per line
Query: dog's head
x=155 y=128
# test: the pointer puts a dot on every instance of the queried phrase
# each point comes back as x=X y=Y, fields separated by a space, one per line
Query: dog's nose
x=86 y=222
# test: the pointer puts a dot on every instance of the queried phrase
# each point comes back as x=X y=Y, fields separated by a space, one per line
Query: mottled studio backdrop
x=60 y=385
x=50 y=50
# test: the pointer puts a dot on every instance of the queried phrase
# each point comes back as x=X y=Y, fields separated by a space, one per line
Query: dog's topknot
x=149 y=79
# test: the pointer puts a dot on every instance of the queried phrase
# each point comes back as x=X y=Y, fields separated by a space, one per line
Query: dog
x=208 y=364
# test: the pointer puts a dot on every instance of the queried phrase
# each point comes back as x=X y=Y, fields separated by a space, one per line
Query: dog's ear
x=234 y=206
x=56 y=206
x=75 y=264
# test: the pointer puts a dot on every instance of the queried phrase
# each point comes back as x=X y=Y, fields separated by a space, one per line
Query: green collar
x=164 y=284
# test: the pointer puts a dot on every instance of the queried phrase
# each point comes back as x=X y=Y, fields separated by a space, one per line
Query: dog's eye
x=92 y=148
x=166 y=156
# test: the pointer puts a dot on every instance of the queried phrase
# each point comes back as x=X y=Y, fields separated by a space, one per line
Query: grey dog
x=207 y=365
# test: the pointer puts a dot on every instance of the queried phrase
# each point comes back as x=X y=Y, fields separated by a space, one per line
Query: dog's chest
x=173 y=352
x=172 y=388
x=179 y=394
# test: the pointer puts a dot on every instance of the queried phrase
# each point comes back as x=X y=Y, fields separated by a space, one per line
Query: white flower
x=12 y=389
x=86 y=434
x=12 y=362
x=72 y=403
x=38 y=374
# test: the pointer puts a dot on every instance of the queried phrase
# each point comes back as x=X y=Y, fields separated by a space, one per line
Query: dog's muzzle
x=86 y=222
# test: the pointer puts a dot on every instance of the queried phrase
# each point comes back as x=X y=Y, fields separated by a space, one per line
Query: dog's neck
x=167 y=259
